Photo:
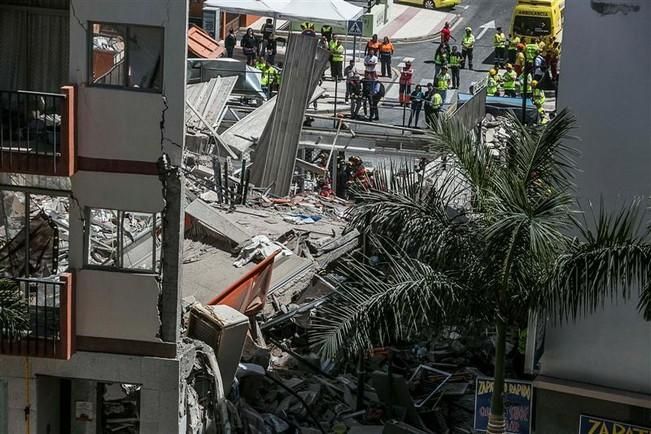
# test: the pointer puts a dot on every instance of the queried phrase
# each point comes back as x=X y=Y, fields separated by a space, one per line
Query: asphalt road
x=474 y=13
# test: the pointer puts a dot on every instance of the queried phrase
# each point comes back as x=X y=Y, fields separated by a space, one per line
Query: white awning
x=331 y=11
x=263 y=8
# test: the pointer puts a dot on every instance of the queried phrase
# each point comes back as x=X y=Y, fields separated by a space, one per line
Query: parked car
x=432 y=4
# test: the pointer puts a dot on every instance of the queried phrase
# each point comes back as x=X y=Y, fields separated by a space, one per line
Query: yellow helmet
x=493 y=72
x=509 y=66
x=534 y=83
x=468 y=29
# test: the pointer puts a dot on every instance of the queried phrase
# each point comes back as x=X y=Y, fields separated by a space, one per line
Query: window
x=118 y=408
x=532 y=26
x=126 y=56
x=123 y=240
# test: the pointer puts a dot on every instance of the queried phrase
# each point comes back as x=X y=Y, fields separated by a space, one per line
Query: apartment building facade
x=91 y=139
x=597 y=371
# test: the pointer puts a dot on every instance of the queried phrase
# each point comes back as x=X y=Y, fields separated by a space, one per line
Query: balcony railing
x=37 y=133
x=46 y=329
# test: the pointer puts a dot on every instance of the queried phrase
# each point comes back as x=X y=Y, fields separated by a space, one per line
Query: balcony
x=37 y=132
x=47 y=318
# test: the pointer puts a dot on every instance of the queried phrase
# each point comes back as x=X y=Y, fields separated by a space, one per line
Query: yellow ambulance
x=538 y=19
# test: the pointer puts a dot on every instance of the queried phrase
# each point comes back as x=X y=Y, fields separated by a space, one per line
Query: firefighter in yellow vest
x=499 y=43
x=508 y=81
x=538 y=96
x=442 y=82
x=514 y=40
x=492 y=85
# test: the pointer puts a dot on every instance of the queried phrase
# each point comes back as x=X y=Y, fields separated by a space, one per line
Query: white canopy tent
x=330 y=11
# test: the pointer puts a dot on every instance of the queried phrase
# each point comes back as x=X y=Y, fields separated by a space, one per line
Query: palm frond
x=610 y=256
x=382 y=304
x=543 y=156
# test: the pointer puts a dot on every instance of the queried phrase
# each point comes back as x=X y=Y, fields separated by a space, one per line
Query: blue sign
x=356 y=28
x=518 y=405
x=597 y=425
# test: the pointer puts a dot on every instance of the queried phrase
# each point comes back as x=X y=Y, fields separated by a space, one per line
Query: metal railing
x=44 y=328
x=35 y=131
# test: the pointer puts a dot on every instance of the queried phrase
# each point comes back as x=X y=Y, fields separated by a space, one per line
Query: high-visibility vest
x=499 y=40
x=373 y=44
x=468 y=41
x=437 y=101
x=491 y=86
x=531 y=51
x=386 y=48
x=521 y=83
x=538 y=97
x=508 y=80
x=440 y=58
x=454 y=60
x=513 y=43
x=337 y=51
x=519 y=58
x=442 y=81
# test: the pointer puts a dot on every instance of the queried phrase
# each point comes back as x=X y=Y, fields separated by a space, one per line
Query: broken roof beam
x=244 y=133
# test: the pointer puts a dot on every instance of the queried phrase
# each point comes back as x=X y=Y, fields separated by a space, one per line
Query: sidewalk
x=413 y=23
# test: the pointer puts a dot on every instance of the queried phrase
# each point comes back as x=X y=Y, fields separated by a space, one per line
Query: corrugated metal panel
x=209 y=99
x=251 y=127
x=274 y=160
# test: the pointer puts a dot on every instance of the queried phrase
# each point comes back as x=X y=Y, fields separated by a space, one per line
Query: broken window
x=123 y=239
x=126 y=56
x=118 y=408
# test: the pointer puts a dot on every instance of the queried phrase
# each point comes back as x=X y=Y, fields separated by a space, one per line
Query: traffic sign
x=355 y=28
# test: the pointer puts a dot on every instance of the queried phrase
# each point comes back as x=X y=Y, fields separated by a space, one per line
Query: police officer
x=336 y=58
x=326 y=31
x=442 y=82
x=492 y=85
x=508 y=81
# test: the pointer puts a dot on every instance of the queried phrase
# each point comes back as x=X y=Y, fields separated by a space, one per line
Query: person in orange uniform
x=518 y=67
x=372 y=44
x=406 y=76
x=386 y=51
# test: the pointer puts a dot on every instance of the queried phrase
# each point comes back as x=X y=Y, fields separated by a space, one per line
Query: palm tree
x=13 y=309
x=519 y=244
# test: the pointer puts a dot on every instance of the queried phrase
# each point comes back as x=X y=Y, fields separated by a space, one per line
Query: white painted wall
x=124 y=124
x=159 y=407
x=606 y=81
x=117 y=305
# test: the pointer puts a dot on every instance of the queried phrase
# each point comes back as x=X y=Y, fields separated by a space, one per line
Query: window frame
x=124 y=86
x=156 y=265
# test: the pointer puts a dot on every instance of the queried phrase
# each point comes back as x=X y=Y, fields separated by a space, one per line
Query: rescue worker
x=437 y=104
x=492 y=84
x=336 y=58
x=307 y=28
x=442 y=82
x=531 y=51
x=539 y=67
x=520 y=83
x=440 y=58
x=514 y=41
x=376 y=94
x=270 y=77
x=405 y=81
x=509 y=78
x=356 y=95
x=417 y=97
x=386 y=51
x=553 y=55
x=326 y=31
x=349 y=74
x=499 y=43
x=229 y=43
x=519 y=59
x=267 y=29
x=427 y=102
x=269 y=49
x=454 y=62
x=467 y=45
x=538 y=97
x=372 y=44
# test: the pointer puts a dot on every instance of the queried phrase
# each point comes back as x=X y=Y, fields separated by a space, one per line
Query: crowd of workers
x=520 y=67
